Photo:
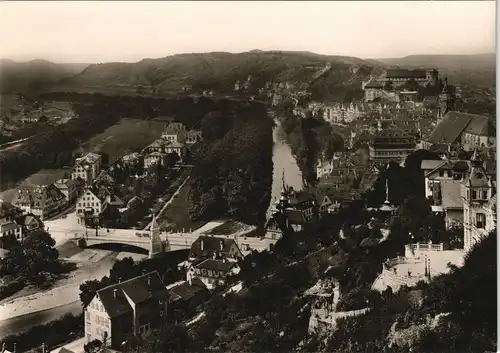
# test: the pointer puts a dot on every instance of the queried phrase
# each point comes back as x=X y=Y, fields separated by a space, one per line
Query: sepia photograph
x=248 y=176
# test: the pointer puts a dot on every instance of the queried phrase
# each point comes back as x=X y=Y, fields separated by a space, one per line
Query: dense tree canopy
x=233 y=172
x=33 y=259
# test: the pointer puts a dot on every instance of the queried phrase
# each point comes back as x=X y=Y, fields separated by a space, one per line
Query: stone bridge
x=155 y=242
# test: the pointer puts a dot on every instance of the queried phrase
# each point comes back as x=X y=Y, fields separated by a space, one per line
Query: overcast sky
x=98 y=31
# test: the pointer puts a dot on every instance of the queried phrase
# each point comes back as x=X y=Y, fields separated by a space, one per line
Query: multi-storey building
x=212 y=259
x=212 y=271
x=42 y=201
x=95 y=201
x=479 y=196
x=175 y=132
x=70 y=188
x=399 y=77
x=391 y=144
x=128 y=309
x=373 y=90
x=87 y=167
x=155 y=158
x=436 y=171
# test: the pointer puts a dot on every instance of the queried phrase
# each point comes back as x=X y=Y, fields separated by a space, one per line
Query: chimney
x=149 y=281
x=115 y=293
x=201 y=244
x=221 y=245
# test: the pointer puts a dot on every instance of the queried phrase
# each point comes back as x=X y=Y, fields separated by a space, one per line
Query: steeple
x=283 y=186
x=386 y=207
x=283 y=203
x=476 y=160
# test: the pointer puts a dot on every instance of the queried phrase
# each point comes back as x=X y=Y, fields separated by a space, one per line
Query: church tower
x=444 y=98
x=283 y=203
x=477 y=192
x=156 y=244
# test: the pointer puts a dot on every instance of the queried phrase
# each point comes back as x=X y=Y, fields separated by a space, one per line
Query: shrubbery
x=11 y=288
x=54 y=333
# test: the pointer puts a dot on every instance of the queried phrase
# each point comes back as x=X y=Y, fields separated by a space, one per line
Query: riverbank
x=284 y=162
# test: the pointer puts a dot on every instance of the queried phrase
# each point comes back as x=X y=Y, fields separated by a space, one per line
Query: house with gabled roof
x=176 y=147
x=436 y=171
x=95 y=200
x=71 y=188
x=16 y=222
x=469 y=130
x=205 y=246
x=212 y=271
x=40 y=201
x=174 y=132
x=87 y=167
x=126 y=309
x=193 y=136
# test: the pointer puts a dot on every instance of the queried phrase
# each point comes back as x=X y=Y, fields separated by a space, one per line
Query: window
x=441 y=173
x=480 y=220
x=485 y=194
x=87 y=315
x=474 y=194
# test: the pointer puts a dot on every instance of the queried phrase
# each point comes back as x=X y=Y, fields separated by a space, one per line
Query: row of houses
x=99 y=193
x=174 y=139
x=16 y=222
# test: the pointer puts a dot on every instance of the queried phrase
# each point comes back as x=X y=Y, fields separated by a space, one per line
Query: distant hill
x=476 y=69
x=33 y=75
x=220 y=71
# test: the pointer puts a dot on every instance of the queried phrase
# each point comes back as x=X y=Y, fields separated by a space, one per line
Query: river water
x=283 y=160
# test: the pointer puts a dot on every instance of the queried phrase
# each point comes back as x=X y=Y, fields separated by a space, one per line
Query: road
x=24 y=322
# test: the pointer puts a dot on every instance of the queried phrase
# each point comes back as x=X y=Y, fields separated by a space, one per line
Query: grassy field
x=175 y=217
x=128 y=136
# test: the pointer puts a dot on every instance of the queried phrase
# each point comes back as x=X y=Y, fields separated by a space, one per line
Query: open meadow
x=128 y=136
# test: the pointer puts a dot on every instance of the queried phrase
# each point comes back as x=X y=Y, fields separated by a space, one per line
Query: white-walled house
x=127 y=309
